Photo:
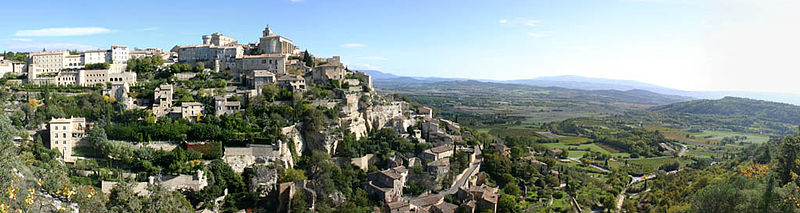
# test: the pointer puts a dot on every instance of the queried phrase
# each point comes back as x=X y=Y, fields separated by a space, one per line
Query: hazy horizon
x=680 y=44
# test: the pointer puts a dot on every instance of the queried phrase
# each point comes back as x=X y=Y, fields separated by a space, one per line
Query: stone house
x=224 y=107
x=292 y=82
x=387 y=184
x=438 y=167
x=437 y=153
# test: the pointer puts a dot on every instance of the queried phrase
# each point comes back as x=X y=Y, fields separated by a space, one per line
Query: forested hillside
x=730 y=113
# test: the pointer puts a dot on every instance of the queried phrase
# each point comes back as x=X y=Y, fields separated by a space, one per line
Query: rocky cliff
x=360 y=113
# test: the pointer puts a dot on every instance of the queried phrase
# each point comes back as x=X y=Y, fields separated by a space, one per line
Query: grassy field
x=707 y=136
x=718 y=135
x=646 y=164
x=573 y=140
x=677 y=134
x=594 y=147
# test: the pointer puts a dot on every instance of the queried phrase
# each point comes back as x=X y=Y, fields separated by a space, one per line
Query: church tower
x=267 y=31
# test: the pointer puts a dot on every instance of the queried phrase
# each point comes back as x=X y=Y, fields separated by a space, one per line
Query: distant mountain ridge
x=586 y=83
x=732 y=106
x=731 y=113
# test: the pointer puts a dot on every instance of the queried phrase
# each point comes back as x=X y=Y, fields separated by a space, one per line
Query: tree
x=162 y=200
x=123 y=199
x=307 y=59
x=506 y=204
x=299 y=203
x=291 y=175
x=225 y=177
x=200 y=66
x=96 y=137
x=787 y=160
x=512 y=189
x=270 y=92
x=98 y=66
x=722 y=197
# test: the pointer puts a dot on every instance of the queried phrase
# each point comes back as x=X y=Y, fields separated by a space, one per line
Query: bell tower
x=267 y=31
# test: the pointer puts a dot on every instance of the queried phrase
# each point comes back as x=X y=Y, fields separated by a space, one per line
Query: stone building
x=195 y=182
x=191 y=110
x=292 y=82
x=271 y=43
x=438 y=167
x=218 y=58
x=224 y=107
x=366 y=77
x=437 y=153
x=480 y=198
x=57 y=61
x=46 y=62
x=120 y=92
x=217 y=39
x=8 y=66
x=287 y=191
x=274 y=63
x=326 y=73
x=162 y=100
x=86 y=77
x=427 y=112
x=257 y=79
x=149 y=52
x=116 y=55
x=218 y=52
x=387 y=184
x=242 y=157
x=65 y=133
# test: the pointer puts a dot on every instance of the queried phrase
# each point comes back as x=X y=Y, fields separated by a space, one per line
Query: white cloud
x=353 y=45
x=503 y=21
x=28 y=45
x=363 y=66
x=21 y=39
x=530 y=22
x=536 y=35
x=63 y=31
x=374 y=58
x=295 y=0
x=150 y=29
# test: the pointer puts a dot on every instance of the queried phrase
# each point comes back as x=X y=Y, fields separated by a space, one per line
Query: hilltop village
x=228 y=127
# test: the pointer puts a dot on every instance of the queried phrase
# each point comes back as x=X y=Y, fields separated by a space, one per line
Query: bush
x=210 y=150
x=98 y=66
x=558 y=195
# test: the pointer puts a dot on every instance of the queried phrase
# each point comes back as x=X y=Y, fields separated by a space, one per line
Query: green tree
x=199 y=66
x=270 y=92
x=787 y=160
x=506 y=204
x=511 y=189
x=722 y=197
x=123 y=199
x=290 y=175
x=162 y=200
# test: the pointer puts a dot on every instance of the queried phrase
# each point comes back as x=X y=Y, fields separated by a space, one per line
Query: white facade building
x=65 y=133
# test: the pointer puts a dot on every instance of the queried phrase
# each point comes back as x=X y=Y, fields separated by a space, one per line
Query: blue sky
x=684 y=44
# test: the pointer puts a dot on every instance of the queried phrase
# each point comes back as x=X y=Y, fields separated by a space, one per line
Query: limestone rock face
x=294 y=136
x=378 y=116
x=364 y=112
x=360 y=113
